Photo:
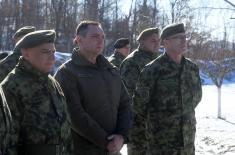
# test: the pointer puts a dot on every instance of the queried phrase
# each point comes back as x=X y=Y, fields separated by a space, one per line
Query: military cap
x=120 y=43
x=172 y=29
x=36 y=38
x=23 y=31
x=147 y=32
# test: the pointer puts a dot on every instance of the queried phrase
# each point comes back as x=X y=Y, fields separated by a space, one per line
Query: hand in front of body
x=115 y=143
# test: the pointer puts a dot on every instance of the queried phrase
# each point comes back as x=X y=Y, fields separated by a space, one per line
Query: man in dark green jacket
x=167 y=92
x=38 y=106
x=5 y=123
x=149 y=42
x=7 y=64
x=122 y=49
x=97 y=100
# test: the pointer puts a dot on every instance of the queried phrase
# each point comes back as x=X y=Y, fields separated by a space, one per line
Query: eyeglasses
x=181 y=37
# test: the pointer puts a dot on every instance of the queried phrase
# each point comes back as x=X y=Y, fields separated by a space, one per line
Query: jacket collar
x=27 y=67
x=147 y=53
x=80 y=60
x=119 y=55
x=166 y=57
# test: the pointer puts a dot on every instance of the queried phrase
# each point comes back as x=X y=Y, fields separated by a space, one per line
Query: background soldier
x=122 y=49
x=147 y=50
x=7 y=64
x=35 y=99
x=5 y=123
x=97 y=100
x=149 y=43
x=167 y=92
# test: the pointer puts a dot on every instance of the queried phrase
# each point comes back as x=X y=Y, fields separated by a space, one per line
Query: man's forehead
x=179 y=34
x=153 y=36
x=94 y=29
x=45 y=46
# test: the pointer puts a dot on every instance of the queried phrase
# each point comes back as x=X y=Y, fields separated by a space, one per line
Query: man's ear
x=77 y=39
x=25 y=53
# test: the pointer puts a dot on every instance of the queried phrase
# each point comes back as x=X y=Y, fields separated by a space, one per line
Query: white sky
x=213 y=19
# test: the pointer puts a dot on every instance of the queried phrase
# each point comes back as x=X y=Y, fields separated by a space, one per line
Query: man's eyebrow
x=46 y=49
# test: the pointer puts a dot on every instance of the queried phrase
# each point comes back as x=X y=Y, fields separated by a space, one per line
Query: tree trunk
x=219 y=102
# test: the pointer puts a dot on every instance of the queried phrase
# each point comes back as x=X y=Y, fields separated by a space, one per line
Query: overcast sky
x=213 y=19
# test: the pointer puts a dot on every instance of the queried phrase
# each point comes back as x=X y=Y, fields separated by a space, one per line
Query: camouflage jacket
x=164 y=101
x=7 y=64
x=132 y=66
x=116 y=59
x=5 y=123
x=38 y=108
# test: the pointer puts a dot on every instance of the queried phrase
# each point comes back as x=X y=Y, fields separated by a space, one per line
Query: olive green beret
x=36 y=38
x=147 y=32
x=120 y=43
x=172 y=29
x=23 y=31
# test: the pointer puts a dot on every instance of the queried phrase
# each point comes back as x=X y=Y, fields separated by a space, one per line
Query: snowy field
x=214 y=136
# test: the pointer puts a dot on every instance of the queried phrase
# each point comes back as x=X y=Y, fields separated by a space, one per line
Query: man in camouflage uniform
x=5 y=123
x=36 y=100
x=122 y=49
x=149 y=43
x=7 y=64
x=147 y=50
x=167 y=92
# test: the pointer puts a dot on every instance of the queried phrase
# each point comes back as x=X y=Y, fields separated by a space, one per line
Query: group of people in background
x=94 y=105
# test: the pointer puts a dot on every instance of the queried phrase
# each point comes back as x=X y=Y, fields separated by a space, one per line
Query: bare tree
x=215 y=60
x=178 y=10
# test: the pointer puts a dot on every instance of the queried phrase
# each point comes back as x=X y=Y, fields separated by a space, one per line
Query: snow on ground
x=214 y=136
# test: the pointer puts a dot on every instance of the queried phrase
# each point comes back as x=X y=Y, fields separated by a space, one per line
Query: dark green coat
x=132 y=66
x=38 y=108
x=97 y=100
x=116 y=59
x=9 y=63
x=5 y=123
x=164 y=101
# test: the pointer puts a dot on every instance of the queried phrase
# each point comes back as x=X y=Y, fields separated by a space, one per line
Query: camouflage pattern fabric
x=38 y=108
x=130 y=70
x=132 y=66
x=7 y=64
x=5 y=123
x=116 y=59
x=163 y=105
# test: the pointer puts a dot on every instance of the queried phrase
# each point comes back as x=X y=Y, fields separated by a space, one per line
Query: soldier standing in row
x=122 y=49
x=147 y=50
x=36 y=100
x=7 y=64
x=5 y=123
x=149 y=43
x=97 y=100
x=167 y=92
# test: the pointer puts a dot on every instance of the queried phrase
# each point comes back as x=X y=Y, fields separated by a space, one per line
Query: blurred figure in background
x=122 y=49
